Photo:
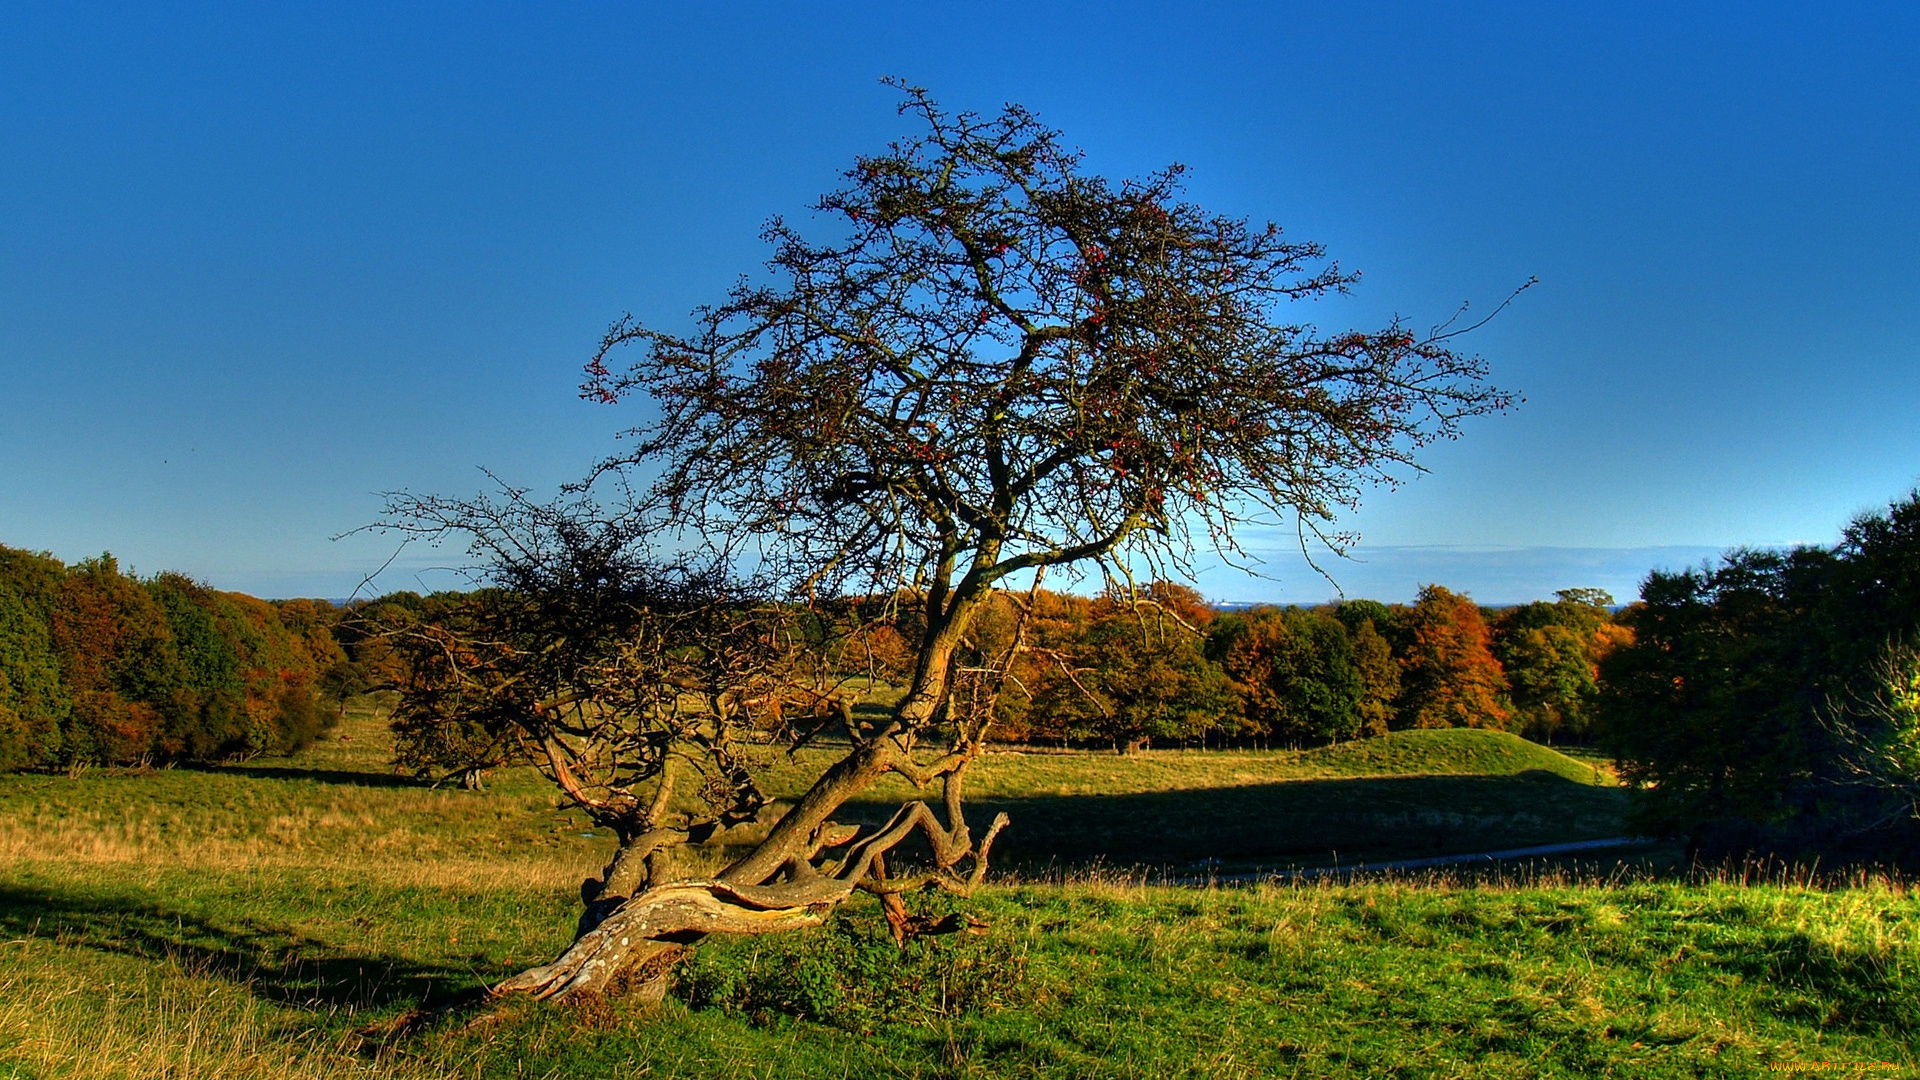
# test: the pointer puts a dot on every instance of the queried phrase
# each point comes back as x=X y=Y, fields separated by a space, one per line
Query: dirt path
x=1313 y=872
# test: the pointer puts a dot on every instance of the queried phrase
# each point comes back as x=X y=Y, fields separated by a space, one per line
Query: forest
x=1764 y=702
x=98 y=667
x=103 y=668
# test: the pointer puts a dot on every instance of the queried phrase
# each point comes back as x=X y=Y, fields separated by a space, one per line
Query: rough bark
x=628 y=936
x=657 y=922
x=634 y=939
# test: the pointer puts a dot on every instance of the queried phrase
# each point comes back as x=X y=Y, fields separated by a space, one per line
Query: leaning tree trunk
x=634 y=941
x=643 y=936
x=633 y=938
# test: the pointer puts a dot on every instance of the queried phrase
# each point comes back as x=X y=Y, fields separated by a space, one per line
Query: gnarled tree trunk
x=636 y=939
x=635 y=926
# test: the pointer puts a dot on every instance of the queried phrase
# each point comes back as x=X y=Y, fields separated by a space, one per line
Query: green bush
x=850 y=974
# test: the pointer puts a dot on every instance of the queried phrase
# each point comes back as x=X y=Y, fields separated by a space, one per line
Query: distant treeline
x=1167 y=669
x=1769 y=701
x=98 y=667
x=1177 y=672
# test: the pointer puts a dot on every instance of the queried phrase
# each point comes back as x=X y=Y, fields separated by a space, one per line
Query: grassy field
x=266 y=920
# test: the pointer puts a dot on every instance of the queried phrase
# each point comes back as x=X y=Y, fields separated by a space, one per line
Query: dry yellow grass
x=314 y=838
x=89 y=1018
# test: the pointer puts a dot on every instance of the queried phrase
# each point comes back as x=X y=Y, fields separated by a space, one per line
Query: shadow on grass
x=1302 y=822
x=319 y=776
x=273 y=962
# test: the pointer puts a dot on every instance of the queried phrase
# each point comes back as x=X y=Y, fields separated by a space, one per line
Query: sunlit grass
x=70 y=1012
x=271 y=920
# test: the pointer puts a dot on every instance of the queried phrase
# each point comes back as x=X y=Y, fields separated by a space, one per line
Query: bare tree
x=987 y=365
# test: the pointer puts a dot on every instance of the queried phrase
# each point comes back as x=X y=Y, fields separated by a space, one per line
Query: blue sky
x=258 y=266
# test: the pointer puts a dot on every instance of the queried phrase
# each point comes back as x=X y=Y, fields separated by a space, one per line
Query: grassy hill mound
x=1409 y=794
x=1445 y=752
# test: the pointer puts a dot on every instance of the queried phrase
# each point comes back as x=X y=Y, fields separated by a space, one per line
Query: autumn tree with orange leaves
x=1451 y=677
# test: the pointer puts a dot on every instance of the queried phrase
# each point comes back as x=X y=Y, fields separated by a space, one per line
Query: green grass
x=1453 y=751
x=267 y=920
x=1408 y=794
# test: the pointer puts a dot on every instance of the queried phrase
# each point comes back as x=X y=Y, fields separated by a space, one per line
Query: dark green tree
x=1296 y=672
x=205 y=711
x=1550 y=653
x=33 y=704
x=1710 y=711
x=1139 y=676
x=1319 y=686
